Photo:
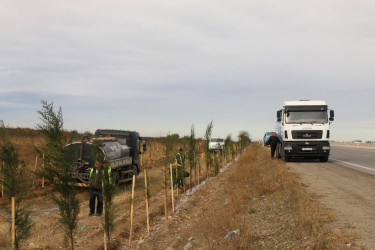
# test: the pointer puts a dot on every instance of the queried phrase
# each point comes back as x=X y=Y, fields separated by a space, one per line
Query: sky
x=160 y=67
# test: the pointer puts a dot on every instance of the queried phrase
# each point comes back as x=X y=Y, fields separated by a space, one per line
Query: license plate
x=307 y=149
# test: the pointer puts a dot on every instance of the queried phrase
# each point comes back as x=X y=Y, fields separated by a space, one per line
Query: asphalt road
x=357 y=158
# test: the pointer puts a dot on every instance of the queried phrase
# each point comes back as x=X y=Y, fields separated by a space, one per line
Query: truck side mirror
x=144 y=146
x=278 y=115
x=331 y=115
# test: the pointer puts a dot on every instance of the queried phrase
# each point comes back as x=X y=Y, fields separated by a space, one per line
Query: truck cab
x=303 y=130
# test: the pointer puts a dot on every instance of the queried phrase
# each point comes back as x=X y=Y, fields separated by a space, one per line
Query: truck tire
x=135 y=170
x=278 y=151
x=117 y=176
x=323 y=158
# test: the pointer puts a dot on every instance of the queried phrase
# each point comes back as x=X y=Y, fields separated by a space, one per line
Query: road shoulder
x=347 y=192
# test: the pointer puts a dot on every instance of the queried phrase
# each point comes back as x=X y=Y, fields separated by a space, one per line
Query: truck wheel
x=278 y=151
x=323 y=158
x=287 y=159
x=117 y=177
x=135 y=170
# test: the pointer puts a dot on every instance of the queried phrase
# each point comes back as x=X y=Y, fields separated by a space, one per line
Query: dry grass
x=270 y=207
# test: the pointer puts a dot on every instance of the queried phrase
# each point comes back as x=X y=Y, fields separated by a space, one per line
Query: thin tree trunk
x=72 y=241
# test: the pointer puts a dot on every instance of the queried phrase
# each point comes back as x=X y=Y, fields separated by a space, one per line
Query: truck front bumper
x=306 y=148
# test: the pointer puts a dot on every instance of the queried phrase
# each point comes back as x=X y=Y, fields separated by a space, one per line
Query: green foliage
x=88 y=134
x=228 y=145
x=216 y=162
x=109 y=208
x=97 y=153
x=16 y=181
x=207 y=137
x=170 y=142
x=147 y=193
x=57 y=169
x=108 y=188
x=243 y=140
x=175 y=136
x=165 y=178
x=192 y=151
x=252 y=211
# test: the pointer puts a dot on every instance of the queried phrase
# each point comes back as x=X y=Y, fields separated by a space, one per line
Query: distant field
x=349 y=144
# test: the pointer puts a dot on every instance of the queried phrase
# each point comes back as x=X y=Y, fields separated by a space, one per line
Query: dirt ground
x=350 y=194
x=344 y=191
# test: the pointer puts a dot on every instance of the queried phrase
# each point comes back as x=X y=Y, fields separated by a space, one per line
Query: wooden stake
x=36 y=163
x=199 y=170
x=140 y=167
x=195 y=175
x=150 y=153
x=198 y=177
x=13 y=222
x=105 y=235
x=165 y=193
x=170 y=167
x=43 y=168
x=2 y=185
x=131 y=213
x=146 y=194
x=178 y=188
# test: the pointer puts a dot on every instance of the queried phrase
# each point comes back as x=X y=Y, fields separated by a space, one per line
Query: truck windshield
x=306 y=117
x=217 y=140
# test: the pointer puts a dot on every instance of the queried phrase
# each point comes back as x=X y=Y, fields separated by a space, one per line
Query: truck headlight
x=326 y=147
x=288 y=148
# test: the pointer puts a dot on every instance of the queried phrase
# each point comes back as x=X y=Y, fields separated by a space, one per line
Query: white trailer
x=216 y=143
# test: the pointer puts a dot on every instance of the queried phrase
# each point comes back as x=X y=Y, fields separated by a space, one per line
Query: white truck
x=216 y=143
x=302 y=128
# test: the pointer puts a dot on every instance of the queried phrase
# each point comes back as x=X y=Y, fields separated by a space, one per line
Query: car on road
x=266 y=136
x=216 y=143
x=357 y=141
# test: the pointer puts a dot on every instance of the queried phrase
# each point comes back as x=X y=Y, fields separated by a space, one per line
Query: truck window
x=306 y=117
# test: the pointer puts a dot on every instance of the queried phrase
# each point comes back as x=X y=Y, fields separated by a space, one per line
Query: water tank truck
x=118 y=148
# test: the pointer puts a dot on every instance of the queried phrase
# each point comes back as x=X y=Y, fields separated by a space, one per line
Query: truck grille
x=307 y=134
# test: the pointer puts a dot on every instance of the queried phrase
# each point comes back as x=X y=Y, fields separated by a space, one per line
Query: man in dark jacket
x=273 y=141
x=96 y=193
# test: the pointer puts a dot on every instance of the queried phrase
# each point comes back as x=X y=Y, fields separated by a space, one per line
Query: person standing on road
x=180 y=158
x=96 y=177
x=273 y=141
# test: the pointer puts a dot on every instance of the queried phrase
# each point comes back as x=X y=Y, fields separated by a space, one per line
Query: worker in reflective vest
x=180 y=158
x=96 y=177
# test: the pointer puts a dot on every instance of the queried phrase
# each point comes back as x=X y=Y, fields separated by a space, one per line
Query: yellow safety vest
x=109 y=174
x=181 y=160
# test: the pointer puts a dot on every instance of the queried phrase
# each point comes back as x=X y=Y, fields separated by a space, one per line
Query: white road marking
x=359 y=166
x=370 y=150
